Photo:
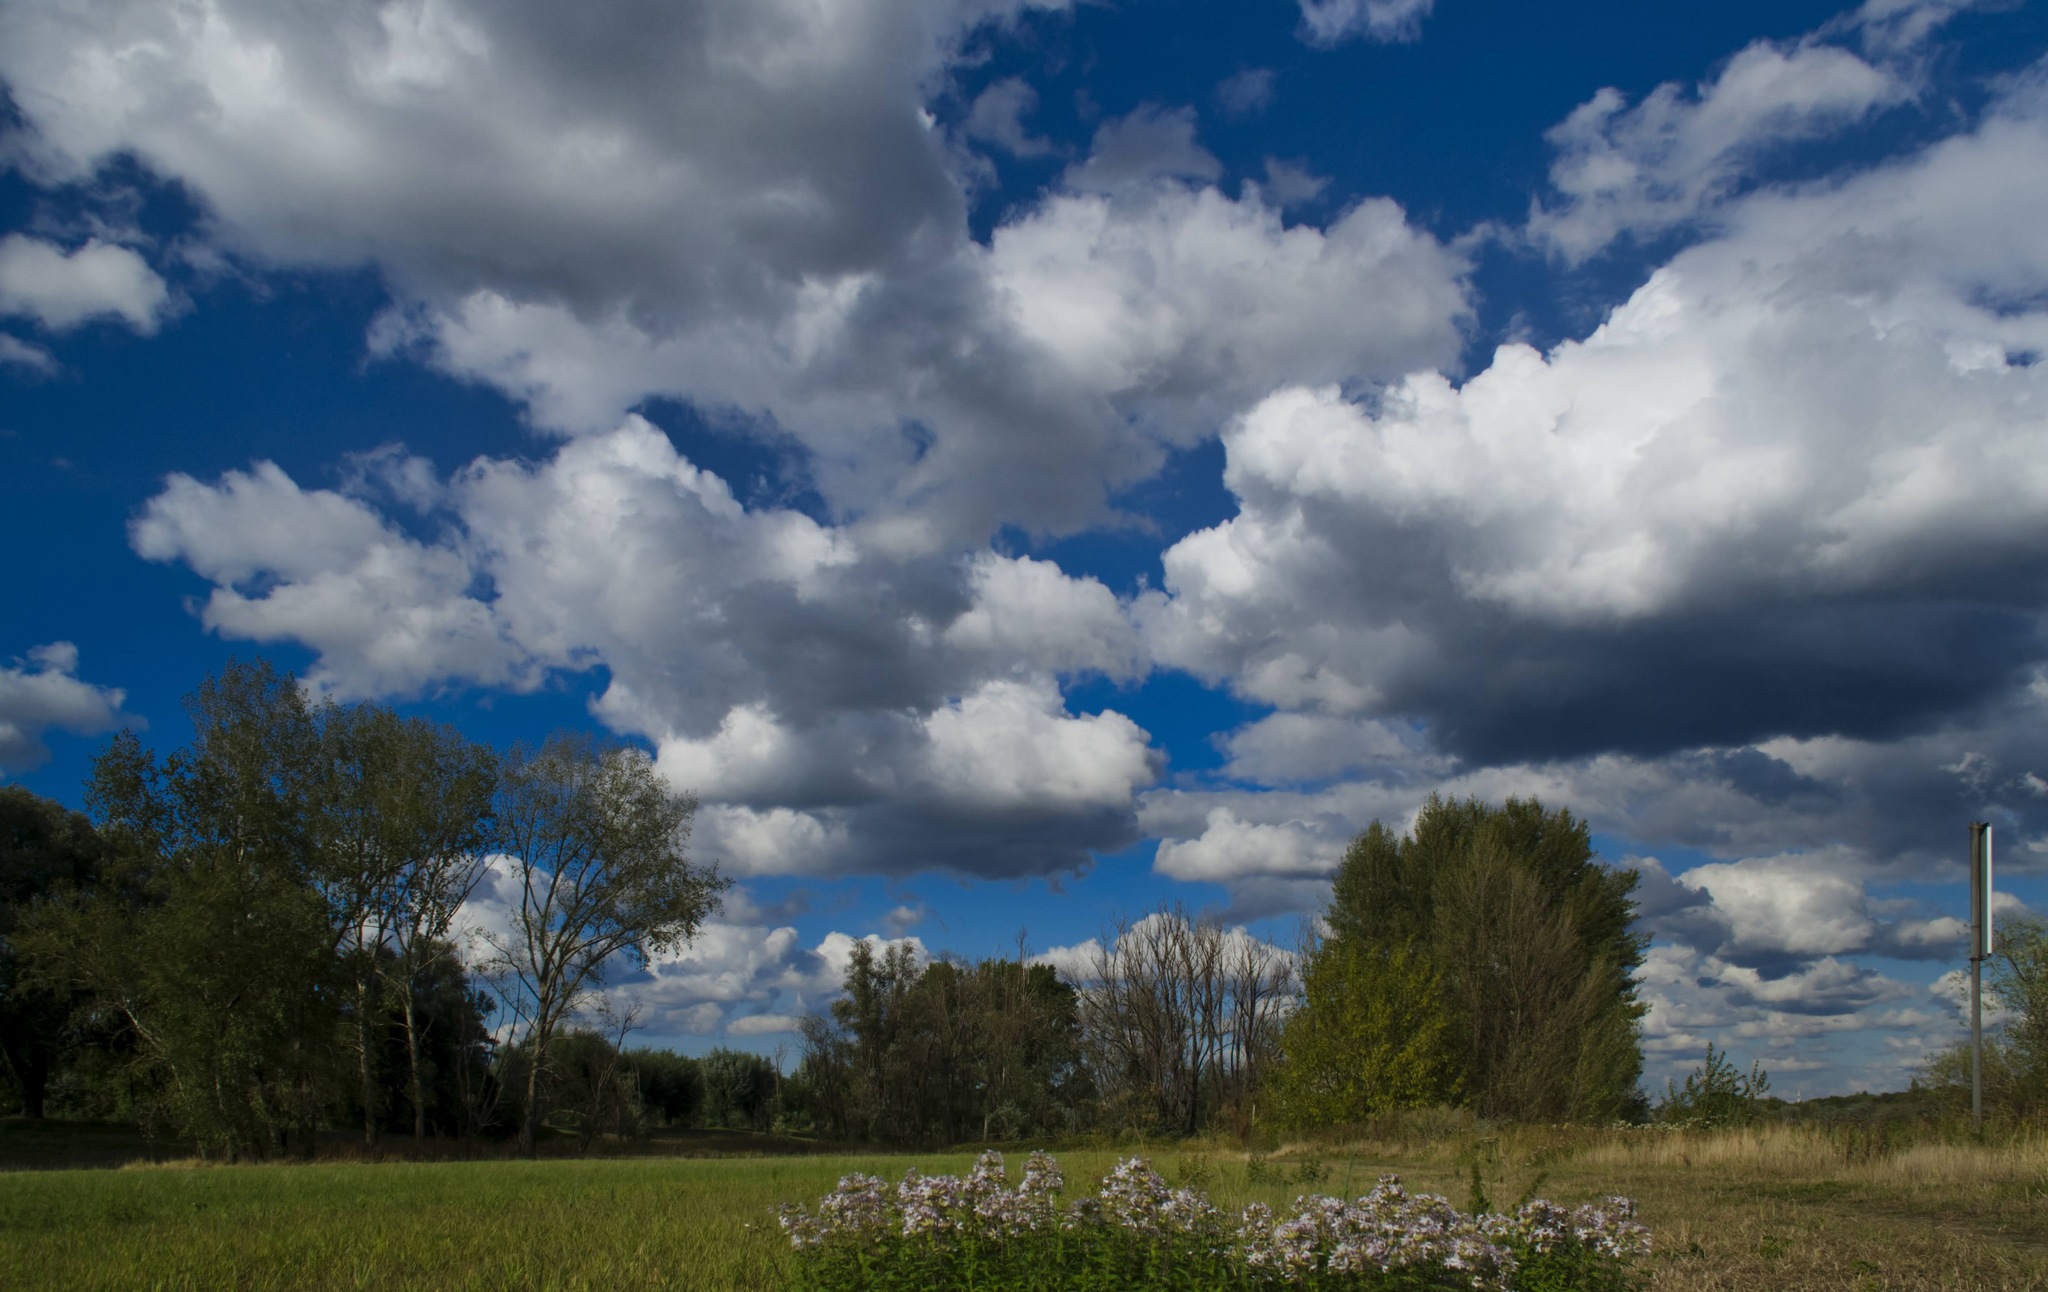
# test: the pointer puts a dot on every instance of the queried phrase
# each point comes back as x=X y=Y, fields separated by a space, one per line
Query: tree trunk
x=529 y=1116
x=412 y=1060
x=364 y=1075
x=309 y=1131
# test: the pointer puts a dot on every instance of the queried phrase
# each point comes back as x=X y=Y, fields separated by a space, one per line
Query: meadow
x=1777 y=1207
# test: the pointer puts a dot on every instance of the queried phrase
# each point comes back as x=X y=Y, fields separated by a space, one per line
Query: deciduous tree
x=407 y=808
x=1530 y=939
x=593 y=844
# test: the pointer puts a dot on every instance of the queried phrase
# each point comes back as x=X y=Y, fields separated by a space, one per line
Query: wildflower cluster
x=1379 y=1234
x=1135 y=1198
x=1134 y=1231
x=1588 y=1247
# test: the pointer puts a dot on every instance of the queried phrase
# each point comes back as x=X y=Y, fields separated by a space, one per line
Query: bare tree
x=1178 y=1015
x=593 y=840
x=1261 y=987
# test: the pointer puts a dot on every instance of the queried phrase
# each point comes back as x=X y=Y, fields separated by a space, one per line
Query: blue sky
x=1023 y=462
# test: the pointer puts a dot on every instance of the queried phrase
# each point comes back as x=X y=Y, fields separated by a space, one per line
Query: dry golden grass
x=1783 y=1208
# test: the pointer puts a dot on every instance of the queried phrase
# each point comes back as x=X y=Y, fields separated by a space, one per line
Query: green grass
x=1781 y=1208
x=551 y=1224
x=579 y=1223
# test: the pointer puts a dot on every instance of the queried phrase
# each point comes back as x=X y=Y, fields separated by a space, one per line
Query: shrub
x=1715 y=1094
x=1134 y=1232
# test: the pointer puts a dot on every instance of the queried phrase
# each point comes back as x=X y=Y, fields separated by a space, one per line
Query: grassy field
x=1784 y=1208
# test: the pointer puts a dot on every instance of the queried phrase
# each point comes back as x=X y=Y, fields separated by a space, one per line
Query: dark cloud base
x=1512 y=692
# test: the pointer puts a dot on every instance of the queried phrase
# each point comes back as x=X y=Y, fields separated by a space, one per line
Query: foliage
x=2018 y=982
x=670 y=1086
x=739 y=1090
x=256 y=931
x=1372 y=1036
x=1135 y=1232
x=405 y=823
x=592 y=1093
x=44 y=850
x=204 y=930
x=1716 y=1094
x=942 y=1052
x=1529 y=938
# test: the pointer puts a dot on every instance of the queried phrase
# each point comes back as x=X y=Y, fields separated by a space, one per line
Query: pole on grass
x=1980 y=951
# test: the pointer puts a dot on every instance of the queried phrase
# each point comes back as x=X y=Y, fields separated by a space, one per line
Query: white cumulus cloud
x=43 y=693
x=62 y=289
x=1638 y=169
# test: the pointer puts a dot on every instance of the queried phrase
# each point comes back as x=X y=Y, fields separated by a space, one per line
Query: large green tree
x=204 y=929
x=405 y=824
x=1529 y=939
x=272 y=896
x=942 y=1052
x=46 y=851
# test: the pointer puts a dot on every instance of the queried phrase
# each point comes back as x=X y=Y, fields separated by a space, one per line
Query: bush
x=1715 y=1094
x=1136 y=1233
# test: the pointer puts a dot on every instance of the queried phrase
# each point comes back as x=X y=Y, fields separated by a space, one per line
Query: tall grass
x=1776 y=1150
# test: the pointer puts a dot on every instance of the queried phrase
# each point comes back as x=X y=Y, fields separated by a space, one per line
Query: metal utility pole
x=1980 y=951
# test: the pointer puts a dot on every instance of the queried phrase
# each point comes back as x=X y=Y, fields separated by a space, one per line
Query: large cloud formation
x=1791 y=487
x=745 y=205
x=756 y=212
x=838 y=708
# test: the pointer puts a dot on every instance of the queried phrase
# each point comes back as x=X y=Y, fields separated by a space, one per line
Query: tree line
x=1484 y=959
x=254 y=937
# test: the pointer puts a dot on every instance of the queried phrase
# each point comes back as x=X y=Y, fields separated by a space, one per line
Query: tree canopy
x=1521 y=941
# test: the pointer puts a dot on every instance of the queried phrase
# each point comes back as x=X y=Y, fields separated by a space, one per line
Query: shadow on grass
x=55 y=1144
